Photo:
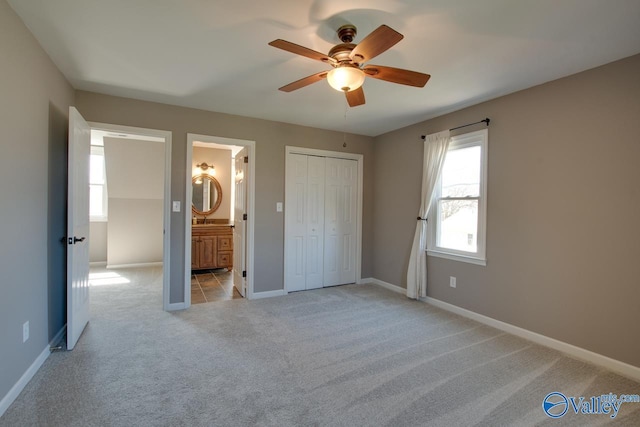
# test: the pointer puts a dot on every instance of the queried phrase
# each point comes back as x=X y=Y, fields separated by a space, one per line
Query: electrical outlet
x=25 y=331
x=452 y=281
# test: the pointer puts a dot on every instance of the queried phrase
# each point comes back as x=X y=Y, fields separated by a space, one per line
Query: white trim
x=136 y=265
x=386 y=285
x=614 y=365
x=478 y=138
x=453 y=257
x=17 y=388
x=251 y=211
x=269 y=294
x=166 y=238
x=289 y=149
x=569 y=349
x=176 y=306
x=98 y=264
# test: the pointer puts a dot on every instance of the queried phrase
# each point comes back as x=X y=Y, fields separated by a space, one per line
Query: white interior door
x=321 y=221
x=340 y=221
x=296 y=226
x=240 y=223
x=315 y=222
x=77 y=227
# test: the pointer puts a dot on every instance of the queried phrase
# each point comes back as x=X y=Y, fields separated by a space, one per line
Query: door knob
x=76 y=240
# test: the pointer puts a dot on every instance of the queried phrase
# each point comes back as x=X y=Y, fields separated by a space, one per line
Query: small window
x=457 y=218
x=97 y=185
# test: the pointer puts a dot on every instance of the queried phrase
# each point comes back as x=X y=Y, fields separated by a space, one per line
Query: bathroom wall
x=221 y=160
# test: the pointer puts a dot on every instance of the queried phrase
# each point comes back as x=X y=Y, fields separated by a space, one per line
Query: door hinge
x=244 y=274
x=246 y=159
x=244 y=217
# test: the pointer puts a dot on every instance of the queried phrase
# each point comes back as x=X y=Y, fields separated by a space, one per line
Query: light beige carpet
x=354 y=355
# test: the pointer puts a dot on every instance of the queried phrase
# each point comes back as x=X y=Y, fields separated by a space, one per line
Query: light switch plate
x=279 y=207
x=176 y=206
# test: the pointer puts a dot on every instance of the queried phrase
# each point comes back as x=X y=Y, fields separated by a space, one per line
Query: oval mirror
x=206 y=194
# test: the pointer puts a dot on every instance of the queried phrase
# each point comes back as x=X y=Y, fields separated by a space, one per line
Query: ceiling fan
x=347 y=59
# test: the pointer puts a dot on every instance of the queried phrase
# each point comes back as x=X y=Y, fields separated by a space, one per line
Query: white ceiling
x=213 y=54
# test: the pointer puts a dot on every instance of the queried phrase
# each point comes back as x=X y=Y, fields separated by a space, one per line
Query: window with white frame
x=97 y=185
x=458 y=214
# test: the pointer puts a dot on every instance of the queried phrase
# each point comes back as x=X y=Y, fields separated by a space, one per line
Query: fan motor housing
x=341 y=52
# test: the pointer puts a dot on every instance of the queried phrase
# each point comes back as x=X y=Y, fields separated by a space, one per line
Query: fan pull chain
x=344 y=133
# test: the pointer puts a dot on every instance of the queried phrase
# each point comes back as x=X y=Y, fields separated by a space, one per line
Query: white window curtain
x=435 y=150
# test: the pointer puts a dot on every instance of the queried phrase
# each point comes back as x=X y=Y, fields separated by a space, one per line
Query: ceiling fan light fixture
x=346 y=78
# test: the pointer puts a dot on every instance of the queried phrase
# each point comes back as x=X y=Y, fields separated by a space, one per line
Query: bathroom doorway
x=219 y=226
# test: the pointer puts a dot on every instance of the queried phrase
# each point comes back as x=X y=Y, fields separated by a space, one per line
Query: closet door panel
x=315 y=222
x=296 y=196
x=348 y=226
x=340 y=222
x=332 y=211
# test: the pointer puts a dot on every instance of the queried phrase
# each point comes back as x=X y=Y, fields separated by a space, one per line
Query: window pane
x=458 y=225
x=461 y=173
x=96 y=169
x=95 y=200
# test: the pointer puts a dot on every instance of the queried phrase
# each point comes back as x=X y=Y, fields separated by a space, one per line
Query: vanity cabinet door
x=225 y=243
x=195 y=253
x=208 y=252
x=211 y=247
x=224 y=259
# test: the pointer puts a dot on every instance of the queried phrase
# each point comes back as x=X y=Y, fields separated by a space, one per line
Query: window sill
x=98 y=219
x=456 y=257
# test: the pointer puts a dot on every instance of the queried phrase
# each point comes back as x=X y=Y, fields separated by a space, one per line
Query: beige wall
x=270 y=137
x=98 y=241
x=221 y=160
x=563 y=211
x=134 y=234
x=34 y=110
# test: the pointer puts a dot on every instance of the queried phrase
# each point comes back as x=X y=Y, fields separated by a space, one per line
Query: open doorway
x=130 y=203
x=219 y=226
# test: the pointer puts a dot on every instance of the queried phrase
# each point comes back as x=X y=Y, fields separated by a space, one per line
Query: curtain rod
x=487 y=120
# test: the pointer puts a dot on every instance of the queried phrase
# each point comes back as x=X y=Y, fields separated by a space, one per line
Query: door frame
x=251 y=216
x=289 y=149
x=166 y=208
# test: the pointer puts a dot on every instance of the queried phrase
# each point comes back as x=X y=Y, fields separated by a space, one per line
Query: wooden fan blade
x=355 y=97
x=381 y=39
x=301 y=50
x=397 y=75
x=304 y=82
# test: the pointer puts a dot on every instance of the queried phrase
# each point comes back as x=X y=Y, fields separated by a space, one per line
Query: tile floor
x=212 y=285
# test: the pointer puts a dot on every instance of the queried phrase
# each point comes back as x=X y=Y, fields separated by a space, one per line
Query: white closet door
x=315 y=222
x=296 y=226
x=340 y=221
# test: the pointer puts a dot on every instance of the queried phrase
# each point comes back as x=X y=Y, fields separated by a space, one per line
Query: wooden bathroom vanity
x=211 y=246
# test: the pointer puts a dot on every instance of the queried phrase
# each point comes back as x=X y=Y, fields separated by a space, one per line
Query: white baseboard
x=614 y=365
x=268 y=294
x=386 y=285
x=23 y=381
x=176 y=306
x=141 y=264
